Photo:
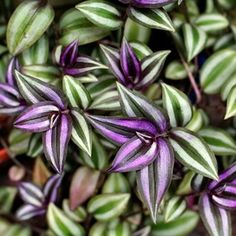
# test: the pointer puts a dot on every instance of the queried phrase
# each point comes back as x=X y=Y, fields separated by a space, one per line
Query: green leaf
x=231 y=104
x=101 y=13
x=81 y=135
x=60 y=224
x=141 y=50
x=220 y=141
x=76 y=92
x=225 y=41
x=98 y=229
x=217 y=69
x=75 y=26
x=104 y=207
x=230 y=83
x=27 y=24
x=35 y=147
x=7 y=196
x=176 y=71
x=194 y=40
x=116 y=183
x=37 y=54
x=174 y=208
x=196 y=122
x=185 y=186
x=193 y=152
x=177 y=105
x=118 y=228
x=179 y=227
x=151 y=18
x=211 y=23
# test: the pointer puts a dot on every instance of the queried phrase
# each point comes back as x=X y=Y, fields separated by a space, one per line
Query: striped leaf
x=211 y=23
x=83 y=186
x=34 y=90
x=76 y=93
x=60 y=224
x=174 y=208
x=194 y=40
x=7 y=196
x=78 y=215
x=118 y=228
x=134 y=104
x=37 y=54
x=75 y=26
x=216 y=220
x=225 y=41
x=182 y=226
x=196 y=122
x=116 y=183
x=185 y=186
x=177 y=105
x=101 y=13
x=141 y=50
x=151 y=67
x=231 y=104
x=220 y=141
x=151 y=18
x=176 y=71
x=230 y=83
x=81 y=135
x=217 y=69
x=106 y=206
x=35 y=147
x=27 y=24
x=98 y=229
x=193 y=152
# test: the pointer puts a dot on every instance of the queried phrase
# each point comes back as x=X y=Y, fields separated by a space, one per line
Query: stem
x=191 y=78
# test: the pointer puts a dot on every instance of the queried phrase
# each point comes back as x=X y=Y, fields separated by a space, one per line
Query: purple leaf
x=120 y=130
x=225 y=201
x=113 y=58
x=129 y=62
x=69 y=54
x=36 y=118
x=9 y=96
x=55 y=142
x=28 y=211
x=51 y=187
x=216 y=220
x=13 y=64
x=31 y=194
x=11 y=110
x=134 y=155
x=34 y=90
x=151 y=3
x=154 y=180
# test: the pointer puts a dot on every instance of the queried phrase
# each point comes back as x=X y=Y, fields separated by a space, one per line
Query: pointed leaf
x=101 y=13
x=27 y=24
x=151 y=18
x=151 y=3
x=194 y=40
x=104 y=207
x=193 y=152
x=177 y=105
x=55 y=143
x=69 y=54
x=35 y=147
x=231 y=104
x=29 y=211
x=216 y=220
x=228 y=86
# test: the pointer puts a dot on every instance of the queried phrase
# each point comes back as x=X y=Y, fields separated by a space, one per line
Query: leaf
x=211 y=23
x=151 y=18
x=179 y=227
x=37 y=117
x=193 y=152
x=153 y=181
x=60 y=224
x=216 y=220
x=151 y=67
x=27 y=24
x=150 y=3
x=231 y=105
x=141 y=50
x=81 y=134
x=176 y=71
x=34 y=90
x=7 y=197
x=35 y=147
x=101 y=13
x=197 y=121
x=134 y=104
x=185 y=186
x=174 y=208
x=217 y=69
x=28 y=211
x=118 y=228
x=83 y=186
x=194 y=40
x=55 y=142
x=75 y=92
x=75 y=26
x=220 y=141
x=104 y=207
x=230 y=83
x=116 y=183
x=177 y=105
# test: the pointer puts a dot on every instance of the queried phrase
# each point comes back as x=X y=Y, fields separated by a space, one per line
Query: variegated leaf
x=231 y=104
x=230 y=83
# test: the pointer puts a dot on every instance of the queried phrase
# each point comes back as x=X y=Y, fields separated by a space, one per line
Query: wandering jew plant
x=117 y=117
